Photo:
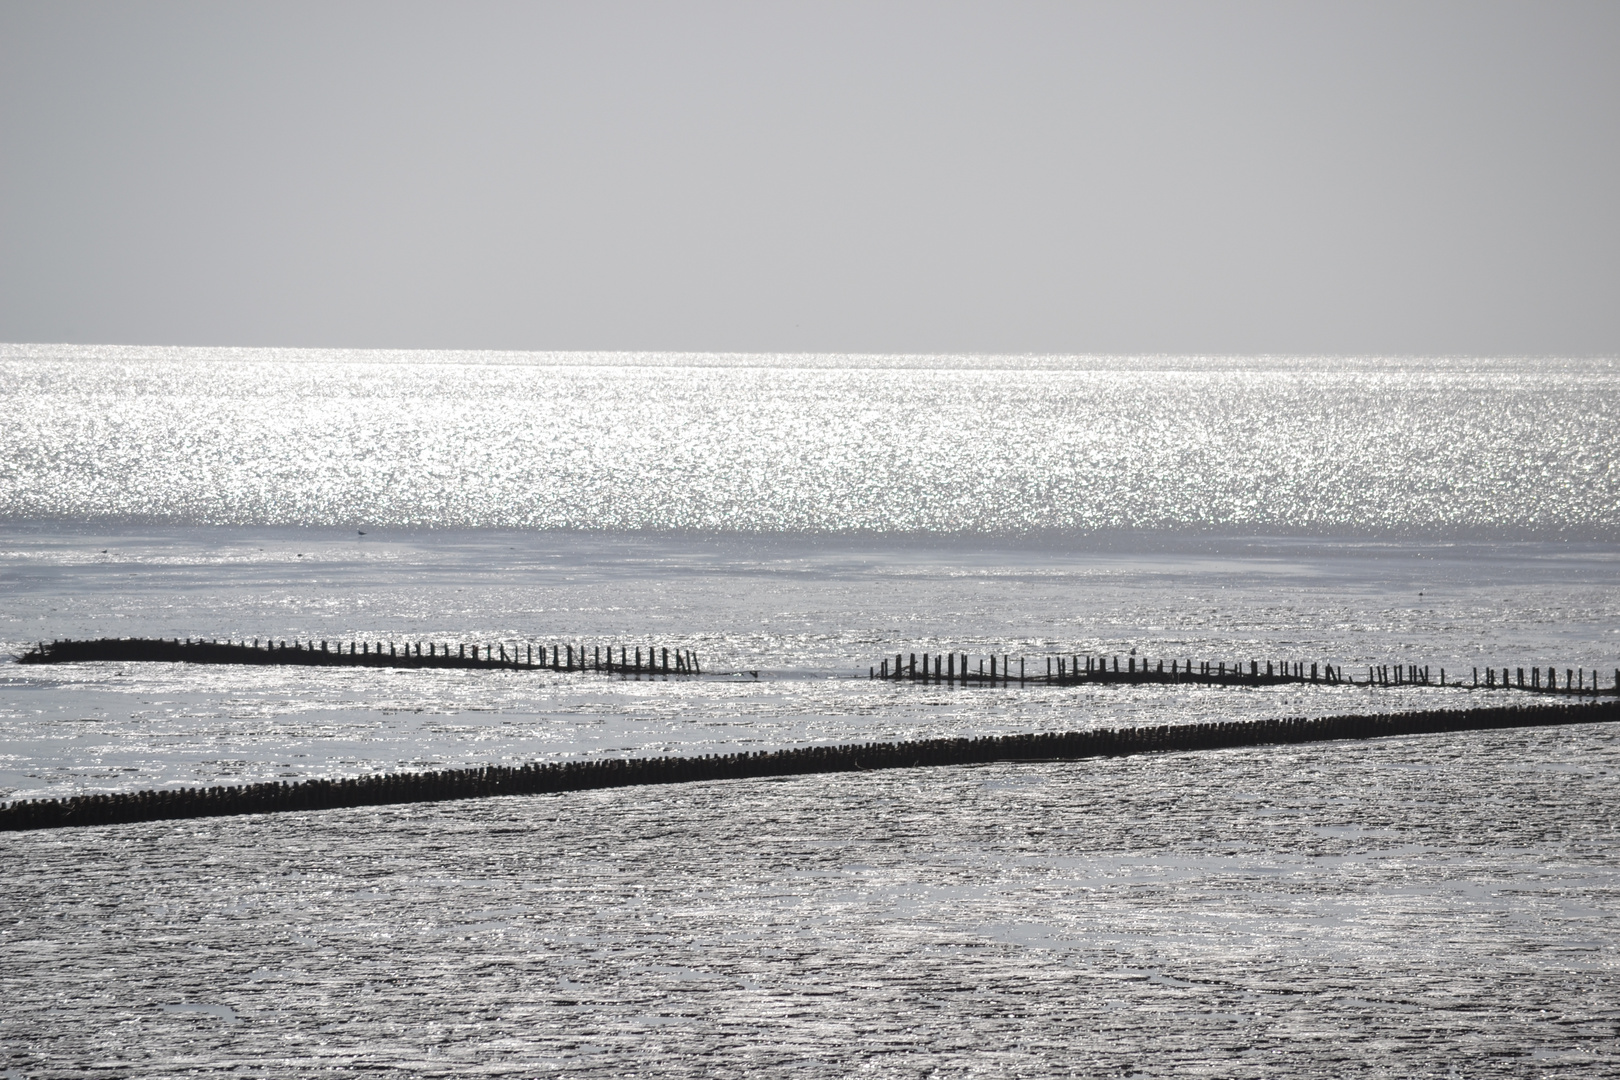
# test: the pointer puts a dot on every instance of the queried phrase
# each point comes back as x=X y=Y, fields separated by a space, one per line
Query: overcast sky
x=899 y=177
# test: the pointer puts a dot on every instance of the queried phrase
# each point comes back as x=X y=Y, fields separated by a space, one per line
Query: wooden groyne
x=522 y=656
x=450 y=784
x=958 y=669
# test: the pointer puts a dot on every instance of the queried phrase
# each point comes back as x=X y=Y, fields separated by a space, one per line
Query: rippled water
x=1433 y=906
x=1424 y=907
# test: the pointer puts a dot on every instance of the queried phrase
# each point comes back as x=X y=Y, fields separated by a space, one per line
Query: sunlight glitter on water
x=974 y=446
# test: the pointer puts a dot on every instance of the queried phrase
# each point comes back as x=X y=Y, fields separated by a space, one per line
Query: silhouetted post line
x=496 y=656
x=955 y=669
x=487 y=781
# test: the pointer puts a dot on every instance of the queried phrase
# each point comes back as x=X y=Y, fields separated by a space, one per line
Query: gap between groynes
x=395 y=788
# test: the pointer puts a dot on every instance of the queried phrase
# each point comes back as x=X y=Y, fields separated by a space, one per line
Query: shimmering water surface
x=1432 y=906
x=975 y=446
x=1414 y=908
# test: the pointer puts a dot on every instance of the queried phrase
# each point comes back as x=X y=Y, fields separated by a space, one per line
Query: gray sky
x=910 y=177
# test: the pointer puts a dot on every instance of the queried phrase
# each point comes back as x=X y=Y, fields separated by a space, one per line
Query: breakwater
x=451 y=784
x=959 y=669
x=522 y=656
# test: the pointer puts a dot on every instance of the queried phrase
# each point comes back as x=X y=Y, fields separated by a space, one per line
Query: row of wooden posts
x=949 y=668
x=1075 y=669
x=523 y=656
x=556 y=777
x=958 y=669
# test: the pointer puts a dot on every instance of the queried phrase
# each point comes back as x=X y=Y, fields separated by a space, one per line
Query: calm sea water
x=1409 y=908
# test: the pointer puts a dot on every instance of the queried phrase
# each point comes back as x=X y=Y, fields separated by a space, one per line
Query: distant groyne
x=523 y=656
x=958 y=669
x=474 y=783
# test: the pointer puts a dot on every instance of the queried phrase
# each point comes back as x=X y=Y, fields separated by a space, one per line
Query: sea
x=1439 y=905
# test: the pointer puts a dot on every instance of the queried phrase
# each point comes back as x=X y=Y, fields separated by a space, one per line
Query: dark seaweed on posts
x=959 y=669
x=557 y=777
x=524 y=656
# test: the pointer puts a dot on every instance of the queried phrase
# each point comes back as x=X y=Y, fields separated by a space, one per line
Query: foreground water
x=1427 y=906
x=1423 y=907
